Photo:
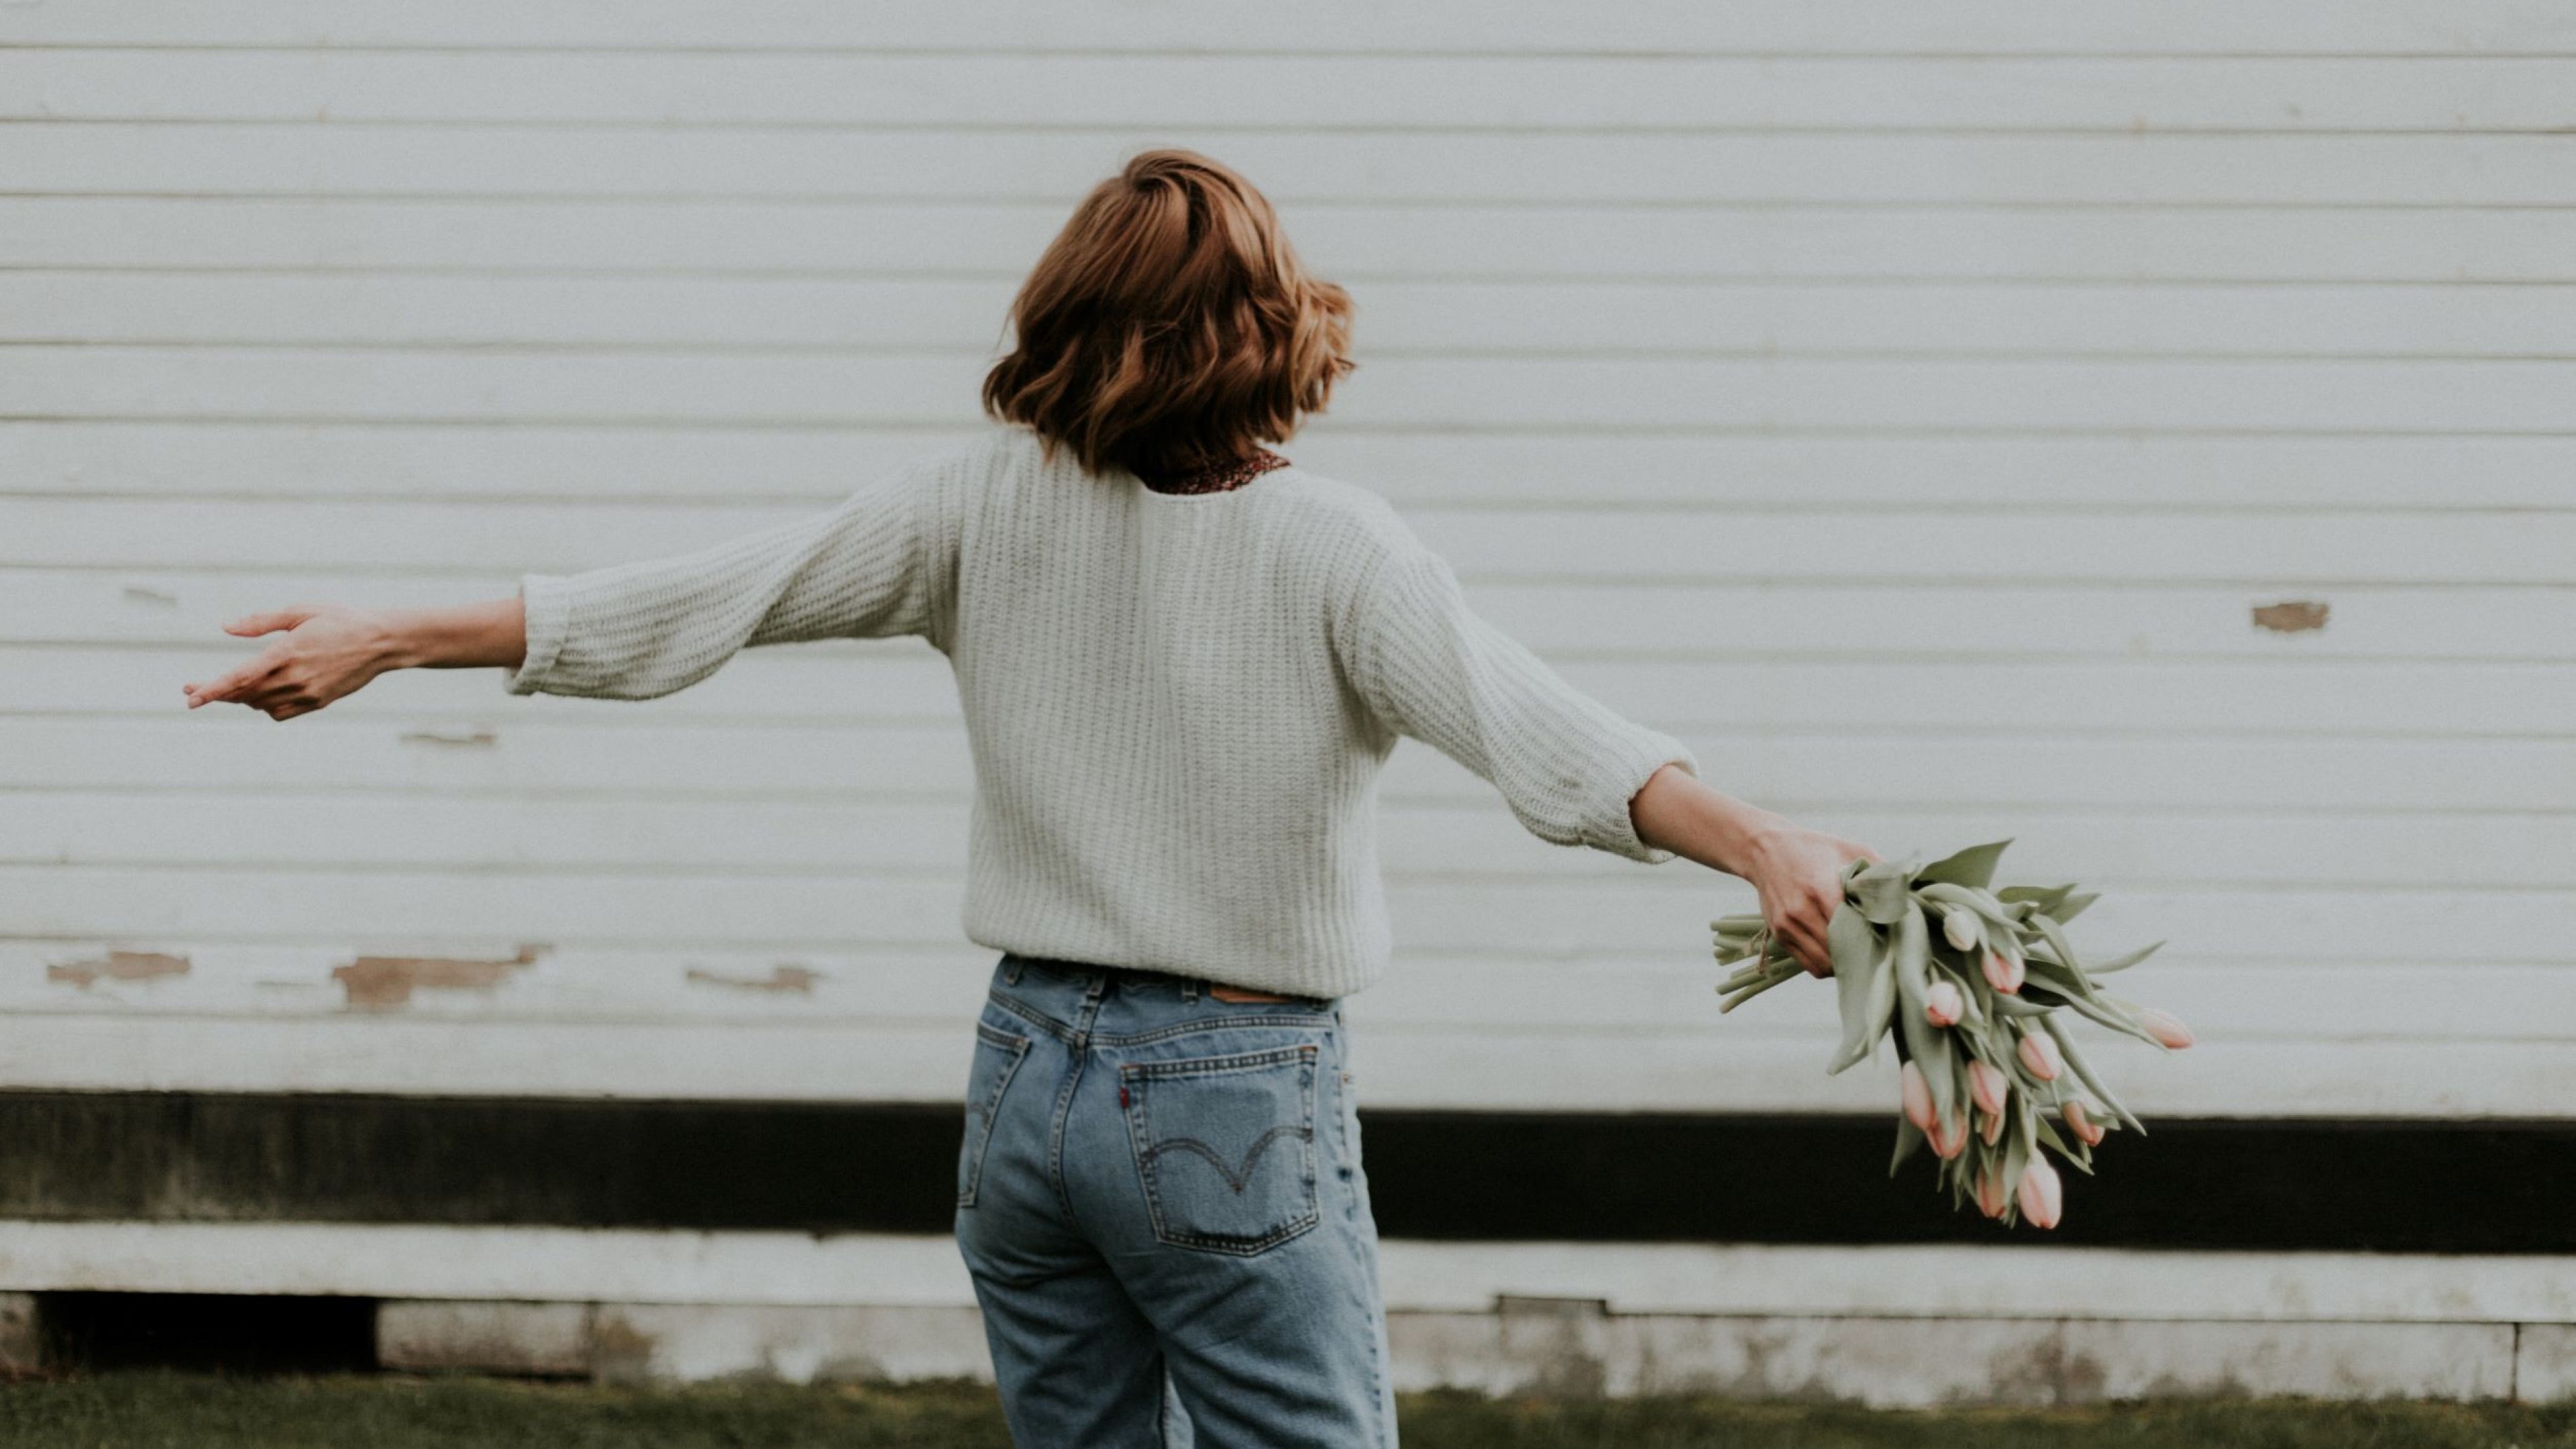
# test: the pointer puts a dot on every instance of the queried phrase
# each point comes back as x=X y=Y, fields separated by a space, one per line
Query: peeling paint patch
x=782 y=977
x=2295 y=616
x=117 y=966
x=378 y=983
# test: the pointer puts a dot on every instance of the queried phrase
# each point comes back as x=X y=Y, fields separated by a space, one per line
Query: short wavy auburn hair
x=1169 y=325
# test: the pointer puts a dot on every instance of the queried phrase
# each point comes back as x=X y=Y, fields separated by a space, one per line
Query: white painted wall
x=1908 y=407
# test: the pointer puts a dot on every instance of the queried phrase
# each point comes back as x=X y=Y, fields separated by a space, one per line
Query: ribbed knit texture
x=1178 y=704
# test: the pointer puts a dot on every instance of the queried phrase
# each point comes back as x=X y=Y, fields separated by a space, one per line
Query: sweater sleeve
x=1430 y=667
x=641 y=630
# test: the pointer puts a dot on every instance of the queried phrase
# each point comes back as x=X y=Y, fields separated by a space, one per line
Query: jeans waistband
x=1014 y=965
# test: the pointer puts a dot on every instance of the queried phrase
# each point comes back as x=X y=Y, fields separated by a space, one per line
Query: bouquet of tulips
x=1974 y=985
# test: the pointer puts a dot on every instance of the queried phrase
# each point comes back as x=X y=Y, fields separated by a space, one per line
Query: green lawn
x=180 y=1411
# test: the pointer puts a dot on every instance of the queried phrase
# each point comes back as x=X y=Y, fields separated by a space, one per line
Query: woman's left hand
x=328 y=653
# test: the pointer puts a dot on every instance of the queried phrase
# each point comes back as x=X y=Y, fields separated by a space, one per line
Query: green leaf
x=1880 y=892
x=1909 y=1140
x=2073 y=906
x=2047 y=1132
x=2044 y=897
x=1929 y=1044
x=1866 y=977
x=2016 y=1155
x=2083 y=1070
x=2103 y=1012
x=2049 y=976
x=2064 y=950
x=2007 y=925
x=2014 y=1006
x=2123 y=963
x=1974 y=866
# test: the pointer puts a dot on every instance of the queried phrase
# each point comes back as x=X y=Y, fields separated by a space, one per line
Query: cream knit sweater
x=1178 y=704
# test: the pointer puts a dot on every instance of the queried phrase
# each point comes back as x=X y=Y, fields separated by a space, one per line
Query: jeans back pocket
x=998 y=1055
x=1225 y=1146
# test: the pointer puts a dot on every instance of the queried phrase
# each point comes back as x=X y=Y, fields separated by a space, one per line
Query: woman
x=1182 y=661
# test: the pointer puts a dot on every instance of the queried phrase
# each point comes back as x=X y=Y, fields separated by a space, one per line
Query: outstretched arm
x=329 y=652
x=628 y=631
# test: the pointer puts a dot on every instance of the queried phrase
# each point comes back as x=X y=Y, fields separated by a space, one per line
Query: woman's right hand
x=1799 y=875
x=327 y=653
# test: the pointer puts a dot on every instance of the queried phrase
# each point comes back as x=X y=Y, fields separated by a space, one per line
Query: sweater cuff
x=547 y=602
x=1615 y=830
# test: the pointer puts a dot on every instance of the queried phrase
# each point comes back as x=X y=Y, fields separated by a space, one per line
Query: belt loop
x=1011 y=969
x=1190 y=990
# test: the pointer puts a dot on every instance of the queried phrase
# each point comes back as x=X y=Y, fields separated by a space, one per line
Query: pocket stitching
x=1223 y=1066
x=1304 y=1133
x=1280 y=1020
x=979 y=1124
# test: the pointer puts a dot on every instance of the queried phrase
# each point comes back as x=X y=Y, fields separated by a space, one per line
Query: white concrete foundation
x=1880 y=1326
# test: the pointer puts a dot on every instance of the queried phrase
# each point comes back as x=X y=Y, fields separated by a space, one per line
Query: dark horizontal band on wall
x=2392 y=1186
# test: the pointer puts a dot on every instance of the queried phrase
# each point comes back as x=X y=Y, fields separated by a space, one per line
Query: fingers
x=270 y=621
x=248 y=677
x=1802 y=931
x=257 y=683
x=1804 y=924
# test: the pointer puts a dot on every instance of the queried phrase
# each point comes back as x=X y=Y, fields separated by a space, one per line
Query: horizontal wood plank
x=1585 y=998
x=2110 y=849
x=994 y=242
x=187 y=609
x=1963 y=394
x=1056 y=163
x=2261 y=551
x=819 y=466
x=906 y=682
x=1448 y=92
x=1854 y=763
x=1345 y=26
x=392 y=911
x=412 y=312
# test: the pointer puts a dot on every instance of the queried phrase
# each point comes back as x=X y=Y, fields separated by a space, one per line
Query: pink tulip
x=2004 y=973
x=2165 y=1027
x=2040 y=1056
x=2083 y=1125
x=1949 y=1137
x=1990 y=1126
x=1990 y=1192
x=1987 y=1085
x=1916 y=1094
x=2043 y=1197
x=1941 y=1004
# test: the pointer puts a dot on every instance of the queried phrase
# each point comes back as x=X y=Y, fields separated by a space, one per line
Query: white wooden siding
x=1910 y=409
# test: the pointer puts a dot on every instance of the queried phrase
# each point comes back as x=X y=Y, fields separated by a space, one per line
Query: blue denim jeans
x=1160 y=1201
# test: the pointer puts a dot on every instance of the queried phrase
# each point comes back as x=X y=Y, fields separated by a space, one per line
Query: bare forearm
x=488 y=634
x=1677 y=812
x=327 y=652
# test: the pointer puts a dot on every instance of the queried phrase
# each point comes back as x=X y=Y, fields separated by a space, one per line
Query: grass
x=160 y=1410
